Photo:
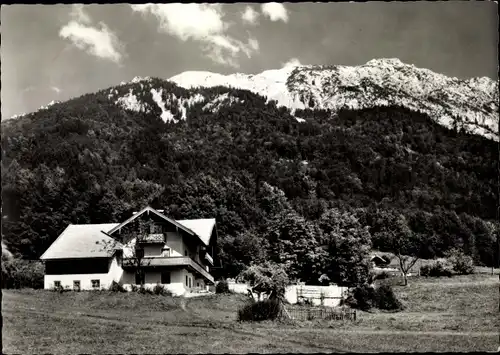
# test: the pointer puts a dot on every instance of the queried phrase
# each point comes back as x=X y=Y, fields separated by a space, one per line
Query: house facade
x=147 y=249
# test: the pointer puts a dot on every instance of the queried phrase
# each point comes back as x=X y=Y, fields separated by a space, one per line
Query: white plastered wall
x=114 y=273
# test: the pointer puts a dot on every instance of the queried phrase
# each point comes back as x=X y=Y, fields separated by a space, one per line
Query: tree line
x=295 y=193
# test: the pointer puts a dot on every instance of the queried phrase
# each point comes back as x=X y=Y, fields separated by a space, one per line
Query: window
x=186 y=280
x=165 y=252
x=96 y=283
x=57 y=284
x=76 y=285
x=185 y=252
x=190 y=282
x=165 y=277
x=197 y=284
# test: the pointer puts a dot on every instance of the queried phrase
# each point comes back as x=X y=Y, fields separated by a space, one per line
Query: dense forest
x=276 y=186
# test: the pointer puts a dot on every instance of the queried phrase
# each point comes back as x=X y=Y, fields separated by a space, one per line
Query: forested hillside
x=263 y=174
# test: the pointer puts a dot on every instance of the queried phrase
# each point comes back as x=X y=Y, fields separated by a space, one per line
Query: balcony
x=151 y=261
x=152 y=238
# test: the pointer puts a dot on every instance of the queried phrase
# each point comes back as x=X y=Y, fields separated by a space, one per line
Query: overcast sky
x=55 y=52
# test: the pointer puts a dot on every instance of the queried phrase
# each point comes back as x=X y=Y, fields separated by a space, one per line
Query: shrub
x=161 y=290
x=222 y=287
x=116 y=287
x=386 y=299
x=425 y=270
x=436 y=269
x=61 y=289
x=17 y=273
x=134 y=288
x=365 y=297
x=462 y=264
x=144 y=290
x=361 y=297
x=269 y=309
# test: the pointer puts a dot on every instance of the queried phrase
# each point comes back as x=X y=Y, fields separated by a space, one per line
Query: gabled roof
x=83 y=241
x=202 y=227
x=94 y=240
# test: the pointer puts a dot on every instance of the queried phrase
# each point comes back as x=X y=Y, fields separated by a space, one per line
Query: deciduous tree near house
x=269 y=279
x=346 y=244
x=133 y=253
x=293 y=243
x=403 y=242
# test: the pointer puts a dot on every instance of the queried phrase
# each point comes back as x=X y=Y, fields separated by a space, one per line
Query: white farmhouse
x=147 y=249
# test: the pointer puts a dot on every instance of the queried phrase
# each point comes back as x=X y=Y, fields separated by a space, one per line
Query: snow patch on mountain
x=167 y=102
x=471 y=104
x=221 y=100
x=166 y=115
x=270 y=83
x=130 y=102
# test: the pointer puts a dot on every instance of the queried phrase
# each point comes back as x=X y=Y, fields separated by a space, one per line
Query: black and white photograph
x=235 y=178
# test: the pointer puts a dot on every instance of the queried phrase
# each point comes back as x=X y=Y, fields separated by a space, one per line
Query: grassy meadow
x=441 y=314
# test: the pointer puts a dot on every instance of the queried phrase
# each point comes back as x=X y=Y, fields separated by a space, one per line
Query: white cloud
x=275 y=11
x=202 y=23
x=250 y=16
x=294 y=62
x=100 y=42
x=56 y=89
x=78 y=14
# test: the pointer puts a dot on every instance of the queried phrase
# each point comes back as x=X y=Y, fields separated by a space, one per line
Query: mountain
x=244 y=158
x=468 y=104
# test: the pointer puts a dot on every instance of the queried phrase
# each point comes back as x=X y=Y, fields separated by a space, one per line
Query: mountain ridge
x=467 y=104
x=455 y=103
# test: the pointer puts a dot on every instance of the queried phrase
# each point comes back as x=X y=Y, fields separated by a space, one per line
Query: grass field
x=446 y=314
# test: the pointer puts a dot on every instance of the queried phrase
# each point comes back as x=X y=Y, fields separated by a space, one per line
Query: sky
x=56 y=52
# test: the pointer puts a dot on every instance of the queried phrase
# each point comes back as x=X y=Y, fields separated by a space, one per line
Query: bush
x=436 y=269
x=361 y=297
x=143 y=290
x=269 y=309
x=161 y=290
x=462 y=264
x=366 y=297
x=386 y=299
x=18 y=273
x=222 y=287
x=116 y=287
x=61 y=289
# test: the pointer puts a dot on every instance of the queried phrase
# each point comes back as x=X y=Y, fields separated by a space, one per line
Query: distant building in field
x=379 y=261
x=148 y=248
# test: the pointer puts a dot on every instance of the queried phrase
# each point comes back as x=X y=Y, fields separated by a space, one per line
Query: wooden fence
x=323 y=313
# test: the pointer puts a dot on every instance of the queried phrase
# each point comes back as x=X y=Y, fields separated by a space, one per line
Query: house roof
x=377 y=258
x=202 y=227
x=83 y=241
x=150 y=209
x=94 y=240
